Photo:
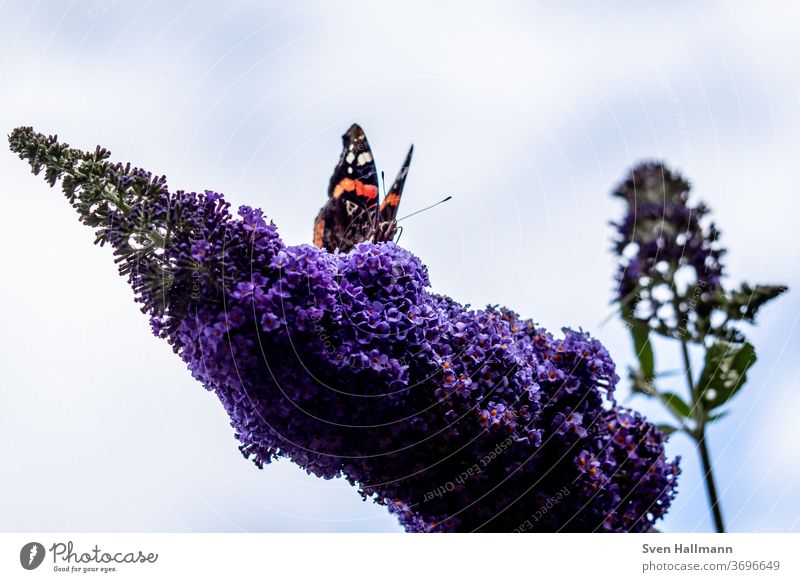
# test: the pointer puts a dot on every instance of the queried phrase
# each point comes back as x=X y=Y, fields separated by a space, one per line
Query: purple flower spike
x=454 y=419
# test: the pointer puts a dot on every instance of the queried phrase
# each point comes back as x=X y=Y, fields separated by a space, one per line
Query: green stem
x=711 y=487
x=702 y=444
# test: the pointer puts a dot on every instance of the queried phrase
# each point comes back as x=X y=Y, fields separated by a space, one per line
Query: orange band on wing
x=391 y=200
x=319 y=231
x=346 y=185
x=367 y=191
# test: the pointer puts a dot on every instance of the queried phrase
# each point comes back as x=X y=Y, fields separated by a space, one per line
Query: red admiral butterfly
x=352 y=213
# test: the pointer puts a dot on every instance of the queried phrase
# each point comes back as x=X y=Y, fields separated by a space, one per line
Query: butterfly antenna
x=378 y=210
x=424 y=209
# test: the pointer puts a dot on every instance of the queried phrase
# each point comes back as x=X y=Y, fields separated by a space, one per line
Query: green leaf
x=744 y=303
x=639 y=384
x=677 y=404
x=667 y=429
x=718 y=416
x=725 y=372
x=640 y=332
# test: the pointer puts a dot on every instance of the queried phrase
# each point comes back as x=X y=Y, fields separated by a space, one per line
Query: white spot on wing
x=350 y=157
x=364 y=158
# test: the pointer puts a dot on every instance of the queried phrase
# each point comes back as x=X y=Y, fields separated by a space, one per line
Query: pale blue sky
x=526 y=113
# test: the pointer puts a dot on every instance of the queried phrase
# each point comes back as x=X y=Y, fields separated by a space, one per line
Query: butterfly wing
x=348 y=216
x=387 y=214
x=355 y=177
x=388 y=209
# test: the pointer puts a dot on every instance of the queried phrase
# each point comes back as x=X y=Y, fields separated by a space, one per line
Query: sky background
x=527 y=113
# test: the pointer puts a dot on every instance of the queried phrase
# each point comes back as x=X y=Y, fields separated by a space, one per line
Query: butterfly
x=353 y=213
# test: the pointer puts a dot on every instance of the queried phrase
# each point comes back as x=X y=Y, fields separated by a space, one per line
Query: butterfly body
x=353 y=213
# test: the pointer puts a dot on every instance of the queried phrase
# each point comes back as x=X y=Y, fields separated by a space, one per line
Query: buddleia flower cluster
x=455 y=419
x=670 y=283
x=665 y=244
x=661 y=234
